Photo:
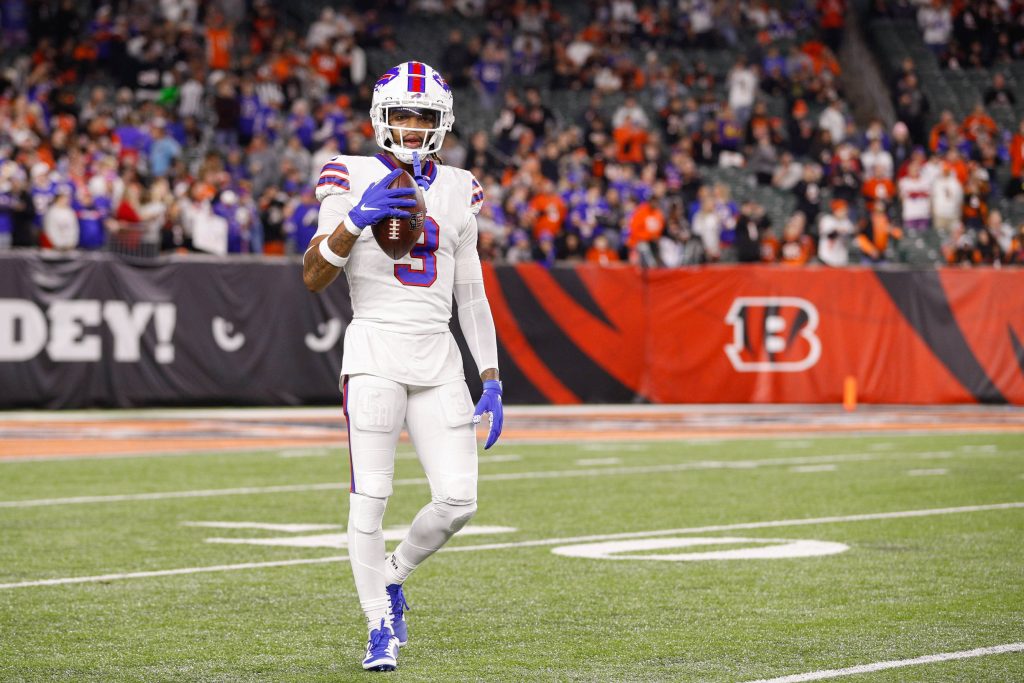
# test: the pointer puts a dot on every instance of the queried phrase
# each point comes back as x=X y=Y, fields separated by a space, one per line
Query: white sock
x=375 y=610
x=366 y=555
x=395 y=570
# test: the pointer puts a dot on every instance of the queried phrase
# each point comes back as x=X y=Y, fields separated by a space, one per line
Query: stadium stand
x=198 y=125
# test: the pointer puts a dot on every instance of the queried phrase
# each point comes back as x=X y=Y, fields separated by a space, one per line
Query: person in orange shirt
x=646 y=225
x=218 y=42
x=878 y=186
x=942 y=132
x=547 y=211
x=629 y=142
x=601 y=252
x=978 y=122
x=325 y=63
x=875 y=234
x=1015 y=185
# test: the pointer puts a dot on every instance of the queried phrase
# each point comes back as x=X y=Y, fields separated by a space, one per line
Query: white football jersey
x=401 y=309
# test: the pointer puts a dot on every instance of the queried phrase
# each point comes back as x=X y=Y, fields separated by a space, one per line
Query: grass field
x=86 y=545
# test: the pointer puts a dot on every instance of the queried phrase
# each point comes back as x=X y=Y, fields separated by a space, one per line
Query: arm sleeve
x=474 y=311
x=477 y=324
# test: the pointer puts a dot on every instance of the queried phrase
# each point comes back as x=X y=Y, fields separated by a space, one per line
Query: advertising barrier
x=96 y=331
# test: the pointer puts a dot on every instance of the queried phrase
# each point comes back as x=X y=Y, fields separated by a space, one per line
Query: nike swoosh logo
x=364 y=207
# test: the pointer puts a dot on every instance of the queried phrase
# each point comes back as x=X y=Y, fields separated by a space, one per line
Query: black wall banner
x=94 y=331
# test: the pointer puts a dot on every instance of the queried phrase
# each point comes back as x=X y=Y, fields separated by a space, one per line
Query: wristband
x=330 y=256
x=352 y=227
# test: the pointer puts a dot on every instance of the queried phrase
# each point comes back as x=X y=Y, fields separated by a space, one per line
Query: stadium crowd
x=202 y=125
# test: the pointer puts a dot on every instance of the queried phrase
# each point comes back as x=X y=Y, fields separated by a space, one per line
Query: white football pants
x=440 y=424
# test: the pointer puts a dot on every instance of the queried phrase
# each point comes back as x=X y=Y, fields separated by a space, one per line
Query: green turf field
x=501 y=605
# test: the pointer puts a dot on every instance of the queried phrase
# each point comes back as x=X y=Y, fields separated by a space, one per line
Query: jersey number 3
x=424 y=273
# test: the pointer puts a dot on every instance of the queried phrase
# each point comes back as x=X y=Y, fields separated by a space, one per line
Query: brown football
x=396 y=236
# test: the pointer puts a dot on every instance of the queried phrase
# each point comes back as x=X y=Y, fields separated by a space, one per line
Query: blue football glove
x=490 y=402
x=380 y=201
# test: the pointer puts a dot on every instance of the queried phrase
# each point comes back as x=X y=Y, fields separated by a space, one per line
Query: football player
x=401 y=365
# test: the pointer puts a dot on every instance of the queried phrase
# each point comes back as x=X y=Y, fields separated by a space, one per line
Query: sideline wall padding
x=95 y=331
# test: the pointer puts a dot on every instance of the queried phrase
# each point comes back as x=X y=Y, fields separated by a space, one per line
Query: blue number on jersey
x=429 y=241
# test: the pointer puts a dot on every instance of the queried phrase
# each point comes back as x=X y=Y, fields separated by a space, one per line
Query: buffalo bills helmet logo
x=441 y=82
x=388 y=76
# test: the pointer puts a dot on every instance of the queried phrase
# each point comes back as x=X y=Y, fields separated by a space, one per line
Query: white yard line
x=416 y=481
x=538 y=542
x=745 y=525
x=895 y=664
x=801 y=469
x=171 y=572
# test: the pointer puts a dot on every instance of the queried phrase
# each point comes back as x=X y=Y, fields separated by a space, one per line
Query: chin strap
x=417 y=173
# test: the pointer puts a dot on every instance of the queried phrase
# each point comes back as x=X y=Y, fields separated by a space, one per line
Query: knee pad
x=372 y=485
x=454 y=516
x=456 y=490
x=365 y=513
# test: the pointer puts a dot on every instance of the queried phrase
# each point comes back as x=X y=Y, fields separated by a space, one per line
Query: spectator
x=93 y=219
x=878 y=186
x=1015 y=254
x=912 y=107
x=787 y=173
x=832 y=19
x=974 y=211
x=707 y=224
x=219 y=42
x=752 y=229
x=877 y=159
x=835 y=229
x=808 y=193
x=601 y=252
x=915 y=199
x=795 y=248
x=60 y=224
x=947 y=198
x=742 y=82
x=520 y=249
x=547 y=211
x=936 y=22
x=163 y=150
x=457 y=60
x=646 y=226
x=979 y=124
x=763 y=160
x=1015 y=185
x=875 y=235
x=833 y=120
x=488 y=75
x=1000 y=230
x=999 y=94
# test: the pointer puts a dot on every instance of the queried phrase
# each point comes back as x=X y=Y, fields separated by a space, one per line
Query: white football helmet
x=411 y=85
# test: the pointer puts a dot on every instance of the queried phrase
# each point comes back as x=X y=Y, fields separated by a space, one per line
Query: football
x=396 y=236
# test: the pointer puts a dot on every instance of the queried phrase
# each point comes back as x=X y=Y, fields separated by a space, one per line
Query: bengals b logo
x=773 y=334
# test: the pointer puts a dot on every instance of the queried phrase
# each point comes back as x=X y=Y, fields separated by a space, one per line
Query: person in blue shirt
x=93 y=214
x=163 y=150
x=301 y=223
x=8 y=199
x=249 y=112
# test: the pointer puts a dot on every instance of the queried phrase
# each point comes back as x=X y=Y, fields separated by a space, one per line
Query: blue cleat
x=381 y=650
x=398 y=607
